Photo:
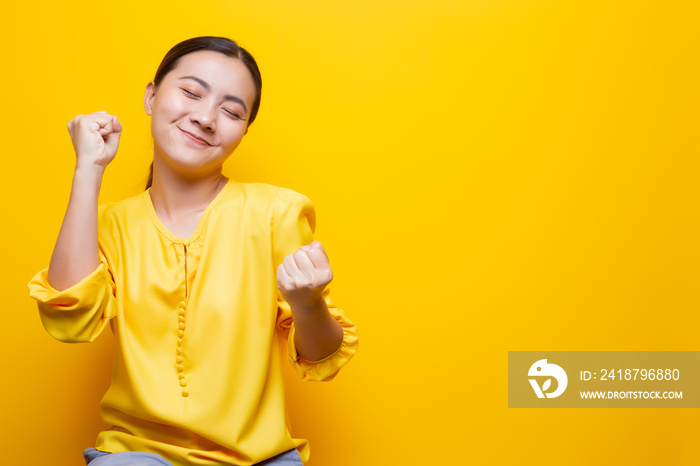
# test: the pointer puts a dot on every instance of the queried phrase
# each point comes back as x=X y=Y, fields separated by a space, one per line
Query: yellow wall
x=488 y=176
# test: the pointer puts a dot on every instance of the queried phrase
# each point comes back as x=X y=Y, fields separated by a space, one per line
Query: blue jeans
x=95 y=457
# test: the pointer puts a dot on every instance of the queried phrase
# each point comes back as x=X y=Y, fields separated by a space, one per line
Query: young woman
x=202 y=278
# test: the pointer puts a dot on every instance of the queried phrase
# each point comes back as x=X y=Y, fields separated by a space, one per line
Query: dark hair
x=215 y=44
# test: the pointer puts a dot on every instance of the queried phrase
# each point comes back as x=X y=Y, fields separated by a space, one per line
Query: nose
x=204 y=114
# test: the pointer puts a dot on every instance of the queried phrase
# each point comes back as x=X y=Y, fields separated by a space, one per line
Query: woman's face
x=200 y=110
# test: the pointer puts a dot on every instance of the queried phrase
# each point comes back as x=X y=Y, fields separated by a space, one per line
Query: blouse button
x=181 y=319
x=180 y=376
x=179 y=359
x=180 y=333
x=182 y=304
x=181 y=326
x=183 y=383
x=178 y=351
x=180 y=368
x=185 y=393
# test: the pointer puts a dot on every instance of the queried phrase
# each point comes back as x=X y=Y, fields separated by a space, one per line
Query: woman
x=199 y=277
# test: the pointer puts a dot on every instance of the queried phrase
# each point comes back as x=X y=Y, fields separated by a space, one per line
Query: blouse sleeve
x=294 y=222
x=78 y=313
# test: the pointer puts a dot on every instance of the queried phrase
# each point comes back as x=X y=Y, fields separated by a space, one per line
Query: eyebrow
x=206 y=86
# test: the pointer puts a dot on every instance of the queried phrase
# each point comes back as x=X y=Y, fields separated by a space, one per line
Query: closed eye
x=190 y=94
x=232 y=114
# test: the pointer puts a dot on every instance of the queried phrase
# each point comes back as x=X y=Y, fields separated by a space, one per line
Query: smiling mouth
x=194 y=138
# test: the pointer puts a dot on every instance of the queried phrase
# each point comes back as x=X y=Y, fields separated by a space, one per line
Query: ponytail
x=149 y=182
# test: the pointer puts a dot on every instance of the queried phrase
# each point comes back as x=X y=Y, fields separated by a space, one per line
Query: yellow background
x=488 y=176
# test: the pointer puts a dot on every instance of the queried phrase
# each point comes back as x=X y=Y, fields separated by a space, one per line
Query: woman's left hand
x=303 y=275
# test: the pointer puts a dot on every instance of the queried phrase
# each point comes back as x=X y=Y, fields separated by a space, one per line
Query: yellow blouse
x=199 y=326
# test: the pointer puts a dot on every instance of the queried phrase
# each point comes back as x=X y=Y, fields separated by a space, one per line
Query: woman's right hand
x=76 y=254
x=95 y=138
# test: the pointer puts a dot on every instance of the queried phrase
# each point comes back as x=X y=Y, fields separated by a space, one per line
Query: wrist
x=311 y=308
x=88 y=172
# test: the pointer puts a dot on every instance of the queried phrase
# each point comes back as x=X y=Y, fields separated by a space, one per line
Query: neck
x=174 y=195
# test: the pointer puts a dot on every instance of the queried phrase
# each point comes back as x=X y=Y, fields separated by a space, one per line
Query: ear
x=148 y=98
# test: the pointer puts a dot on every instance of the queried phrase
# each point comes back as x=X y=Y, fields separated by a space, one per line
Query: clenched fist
x=303 y=275
x=95 y=138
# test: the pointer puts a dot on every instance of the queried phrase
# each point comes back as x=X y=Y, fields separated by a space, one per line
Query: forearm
x=317 y=333
x=76 y=255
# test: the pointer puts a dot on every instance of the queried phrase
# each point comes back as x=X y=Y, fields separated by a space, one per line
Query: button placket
x=179 y=360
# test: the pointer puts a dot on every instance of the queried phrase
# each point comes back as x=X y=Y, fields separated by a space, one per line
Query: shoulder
x=119 y=210
x=270 y=194
x=113 y=218
x=291 y=196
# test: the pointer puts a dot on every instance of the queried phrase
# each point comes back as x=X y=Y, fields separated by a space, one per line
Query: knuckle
x=303 y=284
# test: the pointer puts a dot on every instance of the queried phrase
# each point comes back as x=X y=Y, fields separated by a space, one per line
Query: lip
x=195 y=138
